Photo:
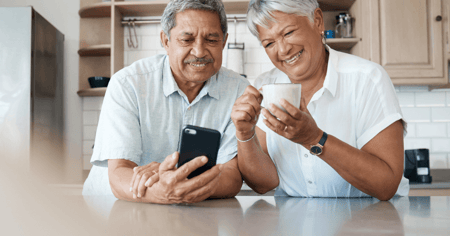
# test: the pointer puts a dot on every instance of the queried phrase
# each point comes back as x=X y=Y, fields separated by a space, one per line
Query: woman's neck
x=312 y=85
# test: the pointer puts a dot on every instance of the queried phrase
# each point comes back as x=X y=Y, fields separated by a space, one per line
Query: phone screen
x=198 y=141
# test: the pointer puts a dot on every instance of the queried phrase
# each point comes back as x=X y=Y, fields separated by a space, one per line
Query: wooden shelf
x=96 y=10
x=342 y=44
x=333 y=5
x=102 y=50
x=156 y=8
x=92 y=92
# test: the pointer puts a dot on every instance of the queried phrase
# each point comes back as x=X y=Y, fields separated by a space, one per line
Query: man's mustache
x=199 y=60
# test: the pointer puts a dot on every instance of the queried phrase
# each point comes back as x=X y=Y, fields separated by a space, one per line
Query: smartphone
x=198 y=141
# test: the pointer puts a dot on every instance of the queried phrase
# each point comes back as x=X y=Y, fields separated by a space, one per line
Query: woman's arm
x=255 y=165
x=230 y=180
x=376 y=169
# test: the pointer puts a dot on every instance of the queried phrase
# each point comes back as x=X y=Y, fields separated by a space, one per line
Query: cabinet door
x=409 y=40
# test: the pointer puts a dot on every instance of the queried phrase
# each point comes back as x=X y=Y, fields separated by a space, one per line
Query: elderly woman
x=349 y=114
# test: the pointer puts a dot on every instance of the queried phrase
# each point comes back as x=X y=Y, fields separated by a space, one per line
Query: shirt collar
x=332 y=77
x=170 y=86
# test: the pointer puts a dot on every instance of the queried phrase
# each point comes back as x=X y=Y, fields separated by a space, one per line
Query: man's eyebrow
x=214 y=35
x=186 y=33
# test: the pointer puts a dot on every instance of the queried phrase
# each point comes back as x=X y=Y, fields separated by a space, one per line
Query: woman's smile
x=294 y=59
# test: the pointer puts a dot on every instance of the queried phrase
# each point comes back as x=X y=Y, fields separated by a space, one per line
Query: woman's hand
x=245 y=112
x=296 y=125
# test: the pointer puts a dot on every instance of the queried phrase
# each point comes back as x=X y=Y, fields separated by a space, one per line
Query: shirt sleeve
x=378 y=106
x=118 y=132
x=228 y=144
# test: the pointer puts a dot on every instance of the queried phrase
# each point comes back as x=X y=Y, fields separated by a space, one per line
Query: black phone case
x=204 y=142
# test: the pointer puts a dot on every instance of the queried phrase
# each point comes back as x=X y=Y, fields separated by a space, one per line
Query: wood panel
x=410 y=55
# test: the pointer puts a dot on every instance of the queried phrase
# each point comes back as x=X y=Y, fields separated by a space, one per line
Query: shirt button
x=306 y=155
x=189 y=108
x=309 y=182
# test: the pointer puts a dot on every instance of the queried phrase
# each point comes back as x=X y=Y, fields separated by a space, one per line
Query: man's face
x=195 y=46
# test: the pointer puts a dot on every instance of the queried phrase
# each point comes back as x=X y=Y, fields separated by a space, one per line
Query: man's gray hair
x=168 y=19
x=260 y=11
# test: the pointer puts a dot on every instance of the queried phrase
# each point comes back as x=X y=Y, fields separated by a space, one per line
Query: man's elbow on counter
x=264 y=189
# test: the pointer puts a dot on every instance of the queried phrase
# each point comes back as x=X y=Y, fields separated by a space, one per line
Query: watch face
x=316 y=150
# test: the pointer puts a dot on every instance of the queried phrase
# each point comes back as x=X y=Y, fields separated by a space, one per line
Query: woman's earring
x=324 y=41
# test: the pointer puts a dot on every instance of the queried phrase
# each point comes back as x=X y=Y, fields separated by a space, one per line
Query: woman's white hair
x=260 y=11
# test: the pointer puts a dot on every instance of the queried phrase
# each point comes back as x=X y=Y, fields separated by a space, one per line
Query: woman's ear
x=318 y=20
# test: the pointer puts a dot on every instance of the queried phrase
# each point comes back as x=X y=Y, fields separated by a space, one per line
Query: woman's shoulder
x=351 y=66
x=269 y=77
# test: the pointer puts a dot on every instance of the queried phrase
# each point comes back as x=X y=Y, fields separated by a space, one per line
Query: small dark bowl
x=98 y=81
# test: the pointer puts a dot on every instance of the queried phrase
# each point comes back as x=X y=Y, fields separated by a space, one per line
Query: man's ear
x=164 y=41
x=225 y=41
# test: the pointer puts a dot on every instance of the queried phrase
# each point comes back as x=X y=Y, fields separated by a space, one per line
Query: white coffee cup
x=274 y=92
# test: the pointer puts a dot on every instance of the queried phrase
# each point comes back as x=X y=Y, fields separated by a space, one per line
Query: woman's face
x=294 y=44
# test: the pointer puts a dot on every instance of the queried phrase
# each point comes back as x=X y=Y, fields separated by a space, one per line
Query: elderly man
x=147 y=104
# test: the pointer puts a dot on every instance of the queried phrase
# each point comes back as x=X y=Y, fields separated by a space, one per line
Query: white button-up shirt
x=356 y=102
x=144 y=111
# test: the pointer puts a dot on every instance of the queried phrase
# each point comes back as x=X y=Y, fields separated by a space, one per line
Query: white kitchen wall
x=63 y=14
x=427 y=113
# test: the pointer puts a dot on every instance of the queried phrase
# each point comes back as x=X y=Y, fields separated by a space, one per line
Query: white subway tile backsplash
x=430 y=99
x=440 y=145
x=448 y=98
x=406 y=99
x=440 y=114
x=137 y=55
x=430 y=130
x=411 y=128
x=415 y=143
x=87 y=162
x=266 y=67
x=256 y=56
x=151 y=43
x=90 y=117
x=413 y=88
x=417 y=114
x=252 y=70
x=92 y=103
x=448 y=127
x=87 y=147
x=438 y=161
x=89 y=132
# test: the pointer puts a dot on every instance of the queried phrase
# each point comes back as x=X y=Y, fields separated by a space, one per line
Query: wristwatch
x=318 y=148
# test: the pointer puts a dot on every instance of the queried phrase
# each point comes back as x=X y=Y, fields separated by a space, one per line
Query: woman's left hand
x=296 y=125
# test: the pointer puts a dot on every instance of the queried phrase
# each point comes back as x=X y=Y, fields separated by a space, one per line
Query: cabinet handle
x=438 y=18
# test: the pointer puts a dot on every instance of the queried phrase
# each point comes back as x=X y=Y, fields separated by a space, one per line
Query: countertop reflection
x=267 y=215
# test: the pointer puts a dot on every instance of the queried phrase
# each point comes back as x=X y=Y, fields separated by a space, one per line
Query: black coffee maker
x=417 y=165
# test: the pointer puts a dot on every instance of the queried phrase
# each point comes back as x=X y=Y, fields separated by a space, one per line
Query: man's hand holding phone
x=173 y=186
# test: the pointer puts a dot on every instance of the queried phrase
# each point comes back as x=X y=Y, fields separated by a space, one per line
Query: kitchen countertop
x=268 y=215
x=441 y=180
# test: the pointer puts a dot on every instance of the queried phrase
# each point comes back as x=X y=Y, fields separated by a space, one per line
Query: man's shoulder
x=231 y=76
x=143 y=66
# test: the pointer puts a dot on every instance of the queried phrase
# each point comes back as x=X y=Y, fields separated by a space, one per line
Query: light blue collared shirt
x=144 y=111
